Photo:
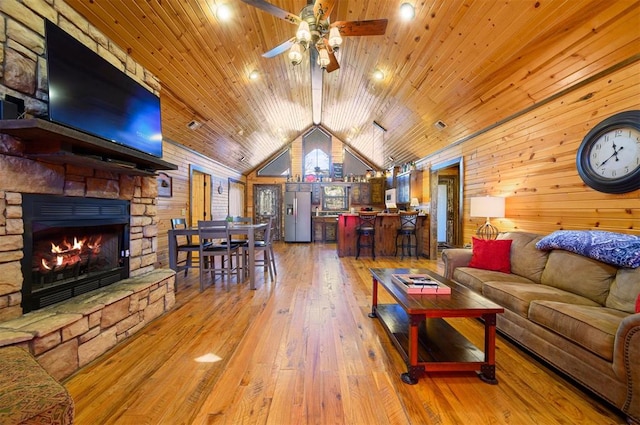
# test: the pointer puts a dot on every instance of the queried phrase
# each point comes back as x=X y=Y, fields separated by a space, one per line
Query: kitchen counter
x=386 y=226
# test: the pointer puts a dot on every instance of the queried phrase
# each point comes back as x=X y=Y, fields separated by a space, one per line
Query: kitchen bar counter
x=386 y=226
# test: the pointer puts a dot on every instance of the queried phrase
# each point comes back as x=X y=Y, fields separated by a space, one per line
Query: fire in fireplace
x=72 y=246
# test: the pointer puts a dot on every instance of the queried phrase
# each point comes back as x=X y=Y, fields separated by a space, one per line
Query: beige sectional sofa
x=575 y=312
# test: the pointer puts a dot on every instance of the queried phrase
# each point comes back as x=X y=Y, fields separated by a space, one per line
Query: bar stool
x=366 y=230
x=406 y=231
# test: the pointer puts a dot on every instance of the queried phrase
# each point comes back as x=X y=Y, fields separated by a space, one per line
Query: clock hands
x=615 y=153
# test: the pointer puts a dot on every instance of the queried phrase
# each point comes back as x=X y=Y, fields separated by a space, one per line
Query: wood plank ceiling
x=467 y=63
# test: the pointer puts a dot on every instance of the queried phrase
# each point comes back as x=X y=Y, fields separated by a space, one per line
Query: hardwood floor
x=303 y=351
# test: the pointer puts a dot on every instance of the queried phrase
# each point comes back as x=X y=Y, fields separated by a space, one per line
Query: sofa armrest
x=626 y=352
x=455 y=257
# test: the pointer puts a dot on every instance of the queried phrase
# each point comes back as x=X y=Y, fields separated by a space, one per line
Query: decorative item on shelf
x=487 y=206
x=369 y=174
x=165 y=185
x=415 y=203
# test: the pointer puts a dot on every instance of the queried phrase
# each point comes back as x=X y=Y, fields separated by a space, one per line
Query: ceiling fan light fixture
x=323 y=58
x=295 y=54
x=304 y=34
x=335 y=40
x=407 y=11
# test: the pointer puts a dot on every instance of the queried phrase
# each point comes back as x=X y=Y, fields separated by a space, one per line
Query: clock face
x=608 y=159
x=616 y=153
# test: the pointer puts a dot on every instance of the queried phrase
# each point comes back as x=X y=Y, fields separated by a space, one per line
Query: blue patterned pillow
x=613 y=248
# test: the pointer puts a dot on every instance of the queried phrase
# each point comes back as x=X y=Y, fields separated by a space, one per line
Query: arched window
x=317 y=155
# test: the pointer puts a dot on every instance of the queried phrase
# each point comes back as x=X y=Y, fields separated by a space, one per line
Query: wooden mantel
x=50 y=142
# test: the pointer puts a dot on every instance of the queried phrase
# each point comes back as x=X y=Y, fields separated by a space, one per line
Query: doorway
x=267 y=203
x=446 y=213
x=199 y=195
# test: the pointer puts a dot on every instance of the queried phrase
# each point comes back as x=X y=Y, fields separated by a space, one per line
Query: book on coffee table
x=420 y=284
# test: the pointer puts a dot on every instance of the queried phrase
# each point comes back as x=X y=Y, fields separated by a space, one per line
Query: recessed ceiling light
x=378 y=75
x=223 y=12
x=254 y=75
x=407 y=11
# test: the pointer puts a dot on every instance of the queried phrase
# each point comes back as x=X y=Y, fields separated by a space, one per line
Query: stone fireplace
x=77 y=258
x=93 y=190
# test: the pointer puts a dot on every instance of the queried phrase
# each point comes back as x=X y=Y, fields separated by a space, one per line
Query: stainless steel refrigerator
x=297 y=217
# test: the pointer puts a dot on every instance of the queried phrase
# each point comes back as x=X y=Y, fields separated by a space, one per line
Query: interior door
x=448 y=206
x=267 y=200
x=200 y=196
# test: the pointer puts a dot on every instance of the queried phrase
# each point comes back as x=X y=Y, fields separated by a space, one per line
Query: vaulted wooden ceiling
x=467 y=63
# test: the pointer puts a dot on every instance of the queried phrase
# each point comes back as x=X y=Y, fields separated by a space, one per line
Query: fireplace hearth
x=72 y=246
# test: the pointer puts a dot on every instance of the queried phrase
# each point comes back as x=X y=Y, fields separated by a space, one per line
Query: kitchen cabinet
x=325 y=228
x=376 y=190
x=409 y=185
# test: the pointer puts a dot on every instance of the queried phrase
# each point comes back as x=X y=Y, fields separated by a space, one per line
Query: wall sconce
x=487 y=206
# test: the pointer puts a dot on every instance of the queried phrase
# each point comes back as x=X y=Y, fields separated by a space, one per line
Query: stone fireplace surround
x=68 y=335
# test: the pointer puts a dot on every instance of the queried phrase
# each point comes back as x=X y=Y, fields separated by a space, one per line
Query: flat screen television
x=88 y=93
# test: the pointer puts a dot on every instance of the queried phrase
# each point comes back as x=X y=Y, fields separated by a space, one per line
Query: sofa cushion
x=475 y=278
x=517 y=296
x=618 y=249
x=593 y=328
x=491 y=255
x=625 y=291
x=578 y=274
x=526 y=259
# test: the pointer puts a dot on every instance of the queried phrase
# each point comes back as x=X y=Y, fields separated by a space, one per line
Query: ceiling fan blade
x=361 y=28
x=279 y=49
x=274 y=10
x=322 y=9
x=333 y=62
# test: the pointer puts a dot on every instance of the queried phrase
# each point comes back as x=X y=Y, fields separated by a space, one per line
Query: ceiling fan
x=320 y=36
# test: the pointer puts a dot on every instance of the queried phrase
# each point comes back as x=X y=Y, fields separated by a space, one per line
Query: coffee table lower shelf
x=440 y=347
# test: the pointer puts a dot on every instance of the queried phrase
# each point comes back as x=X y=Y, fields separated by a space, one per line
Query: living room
x=515 y=133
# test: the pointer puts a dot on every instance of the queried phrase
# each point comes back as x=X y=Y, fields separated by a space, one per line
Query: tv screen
x=88 y=93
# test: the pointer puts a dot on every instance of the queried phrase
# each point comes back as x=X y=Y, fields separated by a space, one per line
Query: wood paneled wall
x=178 y=204
x=531 y=160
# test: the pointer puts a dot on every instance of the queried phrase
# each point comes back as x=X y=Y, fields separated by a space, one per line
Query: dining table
x=249 y=230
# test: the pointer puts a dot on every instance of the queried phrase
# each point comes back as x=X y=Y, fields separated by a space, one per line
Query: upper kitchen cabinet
x=409 y=186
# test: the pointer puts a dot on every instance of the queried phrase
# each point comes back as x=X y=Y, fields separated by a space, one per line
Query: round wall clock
x=608 y=158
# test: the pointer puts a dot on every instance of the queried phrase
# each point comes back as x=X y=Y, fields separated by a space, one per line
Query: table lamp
x=487 y=206
x=414 y=203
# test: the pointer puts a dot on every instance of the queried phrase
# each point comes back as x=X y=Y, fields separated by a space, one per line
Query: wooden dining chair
x=185 y=244
x=215 y=243
x=264 y=246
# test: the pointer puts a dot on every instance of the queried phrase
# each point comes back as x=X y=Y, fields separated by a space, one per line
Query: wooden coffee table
x=427 y=343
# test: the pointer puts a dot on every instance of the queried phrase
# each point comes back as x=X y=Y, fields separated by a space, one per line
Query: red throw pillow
x=491 y=254
x=638 y=304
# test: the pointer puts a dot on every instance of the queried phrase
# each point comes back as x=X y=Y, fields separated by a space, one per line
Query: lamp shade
x=487 y=206
x=414 y=202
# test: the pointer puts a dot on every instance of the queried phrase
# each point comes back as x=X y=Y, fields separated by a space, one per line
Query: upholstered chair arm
x=626 y=352
x=455 y=257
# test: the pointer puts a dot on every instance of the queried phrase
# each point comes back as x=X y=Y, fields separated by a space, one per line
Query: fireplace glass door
x=72 y=246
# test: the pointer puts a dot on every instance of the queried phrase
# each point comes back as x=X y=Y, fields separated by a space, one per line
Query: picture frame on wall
x=165 y=185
